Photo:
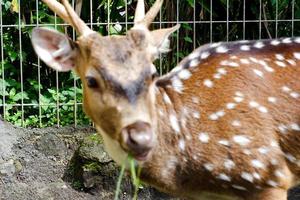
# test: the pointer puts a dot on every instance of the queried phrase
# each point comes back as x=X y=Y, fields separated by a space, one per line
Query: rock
x=92 y=148
x=7 y=168
x=8 y=136
x=51 y=145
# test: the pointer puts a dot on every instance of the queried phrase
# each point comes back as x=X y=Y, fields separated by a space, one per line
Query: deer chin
x=113 y=147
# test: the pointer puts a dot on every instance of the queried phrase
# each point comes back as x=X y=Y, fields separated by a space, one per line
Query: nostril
x=138 y=137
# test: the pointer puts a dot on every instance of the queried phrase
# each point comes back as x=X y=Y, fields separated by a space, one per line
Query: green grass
x=135 y=174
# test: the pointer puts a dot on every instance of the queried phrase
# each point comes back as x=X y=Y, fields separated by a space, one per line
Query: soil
x=62 y=164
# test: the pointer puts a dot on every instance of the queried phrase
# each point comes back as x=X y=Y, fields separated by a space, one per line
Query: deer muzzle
x=138 y=139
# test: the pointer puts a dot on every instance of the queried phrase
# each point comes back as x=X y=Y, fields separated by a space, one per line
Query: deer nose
x=138 y=138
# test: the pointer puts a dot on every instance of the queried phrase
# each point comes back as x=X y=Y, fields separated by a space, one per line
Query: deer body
x=223 y=124
x=240 y=133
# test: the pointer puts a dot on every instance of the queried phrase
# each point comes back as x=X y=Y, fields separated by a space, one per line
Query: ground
x=58 y=163
x=62 y=163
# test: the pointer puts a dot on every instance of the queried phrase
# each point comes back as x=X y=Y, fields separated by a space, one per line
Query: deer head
x=117 y=74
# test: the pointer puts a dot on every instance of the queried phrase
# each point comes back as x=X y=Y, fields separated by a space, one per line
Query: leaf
x=188 y=39
x=191 y=3
x=15 y=6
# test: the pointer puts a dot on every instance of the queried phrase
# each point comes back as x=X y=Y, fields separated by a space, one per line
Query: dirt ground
x=61 y=164
x=36 y=164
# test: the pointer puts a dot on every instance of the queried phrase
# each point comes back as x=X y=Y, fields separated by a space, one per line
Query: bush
x=34 y=95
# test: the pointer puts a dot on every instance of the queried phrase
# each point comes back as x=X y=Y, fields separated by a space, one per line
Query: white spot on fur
x=209 y=166
x=221 y=49
x=224 y=142
x=245 y=61
x=239 y=94
x=247 y=176
x=279 y=57
x=273 y=143
x=220 y=113
x=263 y=150
x=236 y=123
x=194 y=55
x=266 y=66
x=195 y=100
x=213 y=117
x=259 y=45
x=279 y=174
x=208 y=83
x=258 y=73
x=253 y=59
x=238 y=187
x=228 y=63
x=262 y=109
x=167 y=98
x=181 y=144
x=222 y=71
x=272 y=99
x=274 y=161
x=297 y=40
x=247 y=152
x=295 y=95
x=229 y=164
x=280 y=64
x=272 y=183
x=174 y=123
x=285 y=89
x=230 y=106
x=194 y=63
x=238 y=99
x=245 y=47
x=241 y=140
x=253 y=104
x=204 y=55
x=217 y=76
x=177 y=84
x=275 y=42
x=297 y=55
x=257 y=164
x=214 y=45
x=196 y=115
x=290 y=157
x=184 y=74
x=291 y=62
x=256 y=175
x=295 y=127
x=282 y=128
x=224 y=177
x=287 y=40
x=204 y=137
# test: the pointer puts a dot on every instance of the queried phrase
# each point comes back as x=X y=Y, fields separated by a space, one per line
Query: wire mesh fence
x=34 y=95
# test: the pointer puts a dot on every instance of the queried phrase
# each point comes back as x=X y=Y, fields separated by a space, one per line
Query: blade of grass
x=118 y=189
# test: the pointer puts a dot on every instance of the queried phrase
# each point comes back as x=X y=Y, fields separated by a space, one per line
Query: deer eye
x=91 y=82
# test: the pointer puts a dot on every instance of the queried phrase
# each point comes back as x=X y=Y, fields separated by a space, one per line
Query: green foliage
x=47 y=95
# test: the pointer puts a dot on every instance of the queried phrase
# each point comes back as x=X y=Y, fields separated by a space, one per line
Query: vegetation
x=52 y=98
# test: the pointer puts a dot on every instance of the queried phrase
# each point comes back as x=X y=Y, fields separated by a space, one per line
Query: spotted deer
x=223 y=124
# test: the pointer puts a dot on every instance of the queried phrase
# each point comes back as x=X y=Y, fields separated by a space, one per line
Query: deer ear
x=54 y=48
x=161 y=38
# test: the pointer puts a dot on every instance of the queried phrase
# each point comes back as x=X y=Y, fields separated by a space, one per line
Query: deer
x=223 y=124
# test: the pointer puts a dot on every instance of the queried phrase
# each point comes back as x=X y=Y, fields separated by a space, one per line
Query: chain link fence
x=32 y=95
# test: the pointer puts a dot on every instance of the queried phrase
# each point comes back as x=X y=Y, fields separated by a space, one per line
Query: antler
x=141 y=19
x=67 y=13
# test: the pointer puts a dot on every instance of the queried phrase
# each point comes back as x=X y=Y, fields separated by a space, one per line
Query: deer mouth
x=141 y=156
